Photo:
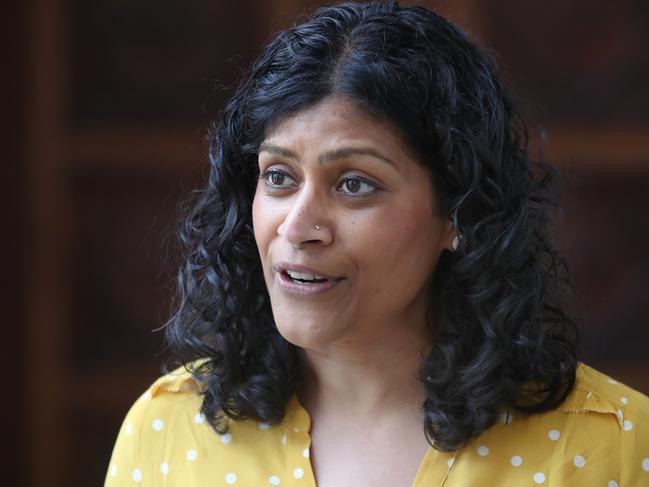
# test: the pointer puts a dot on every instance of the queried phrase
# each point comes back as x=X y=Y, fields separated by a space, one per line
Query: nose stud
x=317 y=227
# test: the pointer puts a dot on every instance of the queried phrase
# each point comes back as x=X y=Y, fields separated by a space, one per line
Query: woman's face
x=347 y=228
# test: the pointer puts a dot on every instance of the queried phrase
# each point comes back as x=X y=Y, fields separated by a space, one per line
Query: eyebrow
x=341 y=153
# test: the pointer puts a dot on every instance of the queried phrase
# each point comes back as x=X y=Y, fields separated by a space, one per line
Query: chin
x=304 y=333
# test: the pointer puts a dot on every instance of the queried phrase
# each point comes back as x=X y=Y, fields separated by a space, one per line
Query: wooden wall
x=112 y=108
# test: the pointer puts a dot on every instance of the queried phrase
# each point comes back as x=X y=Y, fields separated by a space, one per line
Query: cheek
x=398 y=249
x=261 y=222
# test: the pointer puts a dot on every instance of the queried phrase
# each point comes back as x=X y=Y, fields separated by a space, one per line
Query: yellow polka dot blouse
x=599 y=436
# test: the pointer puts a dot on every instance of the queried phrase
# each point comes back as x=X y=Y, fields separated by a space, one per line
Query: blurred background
x=105 y=108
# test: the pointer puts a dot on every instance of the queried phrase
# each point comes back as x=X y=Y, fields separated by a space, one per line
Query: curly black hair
x=503 y=337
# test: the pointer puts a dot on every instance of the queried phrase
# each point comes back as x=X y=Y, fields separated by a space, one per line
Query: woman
x=370 y=294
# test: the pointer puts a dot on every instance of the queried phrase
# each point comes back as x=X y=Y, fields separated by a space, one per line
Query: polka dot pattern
x=158 y=424
x=645 y=464
x=556 y=445
x=137 y=475
x=483 y=451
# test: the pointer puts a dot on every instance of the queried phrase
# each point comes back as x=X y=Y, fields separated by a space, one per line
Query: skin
x=380 y=233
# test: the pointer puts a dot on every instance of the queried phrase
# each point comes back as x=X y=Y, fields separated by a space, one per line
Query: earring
x=456 y=242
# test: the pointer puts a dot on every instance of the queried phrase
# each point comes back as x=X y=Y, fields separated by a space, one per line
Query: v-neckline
x=298 y=418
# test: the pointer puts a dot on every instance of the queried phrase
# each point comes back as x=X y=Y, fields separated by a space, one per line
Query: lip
x=287 y=284
x=281 y=267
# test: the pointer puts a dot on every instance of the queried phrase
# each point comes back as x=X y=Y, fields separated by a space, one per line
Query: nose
x=307 y=220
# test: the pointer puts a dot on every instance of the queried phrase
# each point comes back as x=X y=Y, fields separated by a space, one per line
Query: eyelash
x=267 y=175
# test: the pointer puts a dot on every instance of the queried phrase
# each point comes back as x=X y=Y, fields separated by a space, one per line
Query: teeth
x=304 y=276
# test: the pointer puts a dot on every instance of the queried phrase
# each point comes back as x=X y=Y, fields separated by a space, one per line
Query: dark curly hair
x=502 y=335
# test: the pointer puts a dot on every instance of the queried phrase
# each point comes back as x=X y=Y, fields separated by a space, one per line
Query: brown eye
x=277 y=178
x=352 y=185
x=355 y=186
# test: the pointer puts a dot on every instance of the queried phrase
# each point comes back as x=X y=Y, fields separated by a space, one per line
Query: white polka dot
x=612 y=381
x=129 y=429
x=158 y=424
x=284 y=439
x=612 y=483
x=516 y=461
x=164 y=468
x=298 y=473
x=264 y=426
x=273 y=480
x=230 y=478
x=645 y=464
x=625 y=401
x=483 y=451
x=539 y=477
x=627 y=425
x=137 y=475
x=306 y=453
x=226 y=439
x=579 y=461
x=191 y=455
x=450 y=462
x=296 y=430
x=113 y=471
x=554 y=435
x=199 y=418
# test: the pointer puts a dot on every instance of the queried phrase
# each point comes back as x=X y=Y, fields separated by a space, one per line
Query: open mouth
x=303 y=277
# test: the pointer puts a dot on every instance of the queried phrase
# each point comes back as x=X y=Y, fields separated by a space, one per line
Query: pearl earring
x=455 y=243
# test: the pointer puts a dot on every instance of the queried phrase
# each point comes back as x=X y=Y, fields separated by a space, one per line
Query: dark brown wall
x=105 y=113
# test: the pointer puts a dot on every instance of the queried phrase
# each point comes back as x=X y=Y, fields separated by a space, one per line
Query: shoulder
x=172 y=395
x=600 y=431
x=166 y=440
x=595 y=392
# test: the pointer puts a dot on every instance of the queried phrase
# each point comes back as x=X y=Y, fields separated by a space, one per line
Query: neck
x=366 y=380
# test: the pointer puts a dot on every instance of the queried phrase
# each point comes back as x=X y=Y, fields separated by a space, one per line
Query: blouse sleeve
x=125 y=466
x=634 y=453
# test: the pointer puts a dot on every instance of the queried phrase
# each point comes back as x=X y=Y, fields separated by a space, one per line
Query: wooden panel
x=604 y=233
x=124 y=264
x=149 y=61
x=574 y=59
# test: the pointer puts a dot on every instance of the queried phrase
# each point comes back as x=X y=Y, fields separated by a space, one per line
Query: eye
x=356 y=186
x=277 y=179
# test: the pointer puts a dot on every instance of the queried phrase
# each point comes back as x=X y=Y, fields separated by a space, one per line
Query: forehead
x=337 y=119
